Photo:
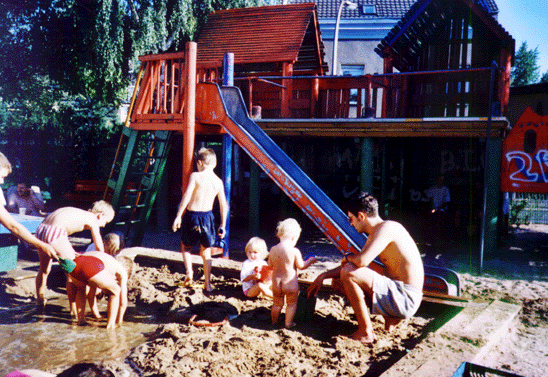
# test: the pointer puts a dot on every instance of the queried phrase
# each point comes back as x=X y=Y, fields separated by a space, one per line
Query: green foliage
x=544 y=78
x=52 y=138
x=526 y=68
x=91 y=47
x=517 y=215
x=66 y=66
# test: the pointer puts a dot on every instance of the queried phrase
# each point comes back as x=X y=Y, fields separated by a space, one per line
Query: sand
x=247 y=344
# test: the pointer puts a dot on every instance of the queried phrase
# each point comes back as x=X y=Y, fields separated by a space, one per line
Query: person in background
x=13 y=226
x=25 y=199
x=439 y=198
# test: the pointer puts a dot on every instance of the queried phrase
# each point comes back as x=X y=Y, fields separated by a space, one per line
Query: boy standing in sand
x=56 y=228
x=195 y=217
x=285 y=259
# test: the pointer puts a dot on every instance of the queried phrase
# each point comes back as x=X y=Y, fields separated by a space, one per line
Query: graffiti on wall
x=525 y=155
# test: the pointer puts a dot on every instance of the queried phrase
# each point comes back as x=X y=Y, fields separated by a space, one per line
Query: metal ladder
x=135 y=178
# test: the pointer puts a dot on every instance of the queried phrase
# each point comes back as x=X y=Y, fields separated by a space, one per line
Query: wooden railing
x=457 y=93
x=161 y=90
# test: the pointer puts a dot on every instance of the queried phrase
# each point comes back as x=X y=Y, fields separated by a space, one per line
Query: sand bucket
x=306 y=306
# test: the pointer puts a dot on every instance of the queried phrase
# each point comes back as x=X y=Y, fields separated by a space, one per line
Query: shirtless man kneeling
x=394 y=289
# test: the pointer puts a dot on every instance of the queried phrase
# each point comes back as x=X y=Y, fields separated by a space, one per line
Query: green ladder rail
x=135 y=178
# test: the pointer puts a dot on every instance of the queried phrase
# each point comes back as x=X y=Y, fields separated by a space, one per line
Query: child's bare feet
x=209 y=288
x=364 y=338
x=290 y=326
x=391 y=323
x=187 y=282
x=41 y=303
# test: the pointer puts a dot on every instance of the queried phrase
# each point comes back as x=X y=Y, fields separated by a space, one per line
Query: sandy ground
x=249 y=345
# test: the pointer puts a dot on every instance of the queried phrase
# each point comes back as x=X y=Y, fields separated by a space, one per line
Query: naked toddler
x=285 y=259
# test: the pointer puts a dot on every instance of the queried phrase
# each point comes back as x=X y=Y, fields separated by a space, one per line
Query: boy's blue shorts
x=198 y=227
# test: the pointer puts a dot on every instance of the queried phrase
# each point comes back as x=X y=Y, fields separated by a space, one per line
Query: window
x=369 y=9
x=353 y=70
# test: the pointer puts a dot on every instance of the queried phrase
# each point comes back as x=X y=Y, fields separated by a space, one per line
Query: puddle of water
x=51 y=341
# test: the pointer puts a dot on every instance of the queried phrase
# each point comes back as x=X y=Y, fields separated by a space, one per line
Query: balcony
x=430 y=103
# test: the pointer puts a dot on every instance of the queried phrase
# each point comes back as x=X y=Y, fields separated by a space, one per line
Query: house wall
x=352 y=52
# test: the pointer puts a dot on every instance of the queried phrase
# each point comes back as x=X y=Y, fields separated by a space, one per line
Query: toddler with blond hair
x=255 y=275
x=285 y=259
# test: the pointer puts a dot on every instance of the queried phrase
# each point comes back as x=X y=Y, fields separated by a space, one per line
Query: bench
x=87 y=191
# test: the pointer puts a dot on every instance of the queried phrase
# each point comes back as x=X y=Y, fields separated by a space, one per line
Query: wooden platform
x=466 y=337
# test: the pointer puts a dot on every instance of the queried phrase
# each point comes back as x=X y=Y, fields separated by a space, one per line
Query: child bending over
x=103 y=271
x=113 y=243
x=255 y=275
x=285 y=259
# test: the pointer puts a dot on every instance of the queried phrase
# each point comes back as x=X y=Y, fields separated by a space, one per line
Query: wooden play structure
x=445 y=86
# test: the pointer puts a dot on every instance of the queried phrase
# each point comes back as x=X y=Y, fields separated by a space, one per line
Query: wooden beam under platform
x=400 y=127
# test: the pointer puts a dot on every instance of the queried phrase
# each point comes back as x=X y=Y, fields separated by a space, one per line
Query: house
x=362 y=28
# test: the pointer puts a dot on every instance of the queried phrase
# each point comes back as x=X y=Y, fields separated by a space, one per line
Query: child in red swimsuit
x=103 y=271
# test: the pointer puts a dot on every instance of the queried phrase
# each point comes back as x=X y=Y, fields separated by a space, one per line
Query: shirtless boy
x=393 y=290
x=195 y=217
x=103 y=271
x=56 y=228
x=285 y=259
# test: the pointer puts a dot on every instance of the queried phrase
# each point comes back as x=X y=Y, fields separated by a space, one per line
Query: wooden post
x=287 y=90
x=386 y=92
x=228 y=80
x=254 y=197
x=366 y=170
x=189 y=116
x=314 y=96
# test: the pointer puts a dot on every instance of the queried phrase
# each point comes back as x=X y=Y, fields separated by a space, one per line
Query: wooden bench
x=87 y=191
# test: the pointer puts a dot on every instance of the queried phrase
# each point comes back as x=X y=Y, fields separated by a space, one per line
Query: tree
x=65 y=66
x=526 y=68
x=544 y=78
x=90 y=47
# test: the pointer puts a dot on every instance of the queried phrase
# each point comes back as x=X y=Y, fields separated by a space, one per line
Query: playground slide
x=331 y=220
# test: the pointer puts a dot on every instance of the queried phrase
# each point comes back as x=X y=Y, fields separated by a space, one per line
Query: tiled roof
x=385 y=8
x=262 y=34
